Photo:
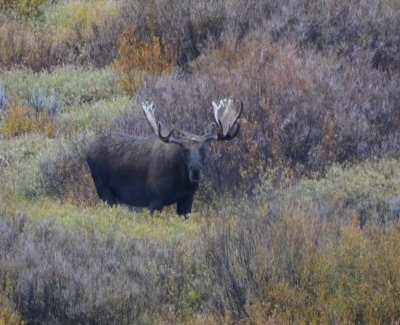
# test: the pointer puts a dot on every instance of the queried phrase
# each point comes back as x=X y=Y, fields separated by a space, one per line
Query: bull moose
x=157 y=170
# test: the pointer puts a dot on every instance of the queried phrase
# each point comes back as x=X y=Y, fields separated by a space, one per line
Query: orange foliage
x=138 y=57
x=20 y=119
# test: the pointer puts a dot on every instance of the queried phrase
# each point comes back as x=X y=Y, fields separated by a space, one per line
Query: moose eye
x=186 y=152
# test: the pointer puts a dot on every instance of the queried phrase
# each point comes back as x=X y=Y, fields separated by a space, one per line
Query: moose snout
x=195 y=174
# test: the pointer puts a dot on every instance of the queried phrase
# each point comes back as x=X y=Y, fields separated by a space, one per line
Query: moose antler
x=226 y=115
x=149 y=111
x=226 y=125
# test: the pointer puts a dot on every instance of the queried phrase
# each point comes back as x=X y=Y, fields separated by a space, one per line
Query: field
x=298 y=218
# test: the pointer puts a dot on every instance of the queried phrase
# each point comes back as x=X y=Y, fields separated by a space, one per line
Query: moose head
x=225 y=127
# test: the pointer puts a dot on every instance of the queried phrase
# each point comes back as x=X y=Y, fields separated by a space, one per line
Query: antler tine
x=166 y=138
x=149 y=111
x=226 y=115
x=217 y=107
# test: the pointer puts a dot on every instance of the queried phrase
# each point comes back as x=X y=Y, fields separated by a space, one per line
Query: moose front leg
x=184 y=206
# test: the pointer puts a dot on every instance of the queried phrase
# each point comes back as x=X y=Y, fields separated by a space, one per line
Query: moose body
x=144 y=172
x=158 y=170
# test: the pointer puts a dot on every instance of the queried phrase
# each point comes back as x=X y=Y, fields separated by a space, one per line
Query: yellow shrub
x=82 y=15
x=138 y=57
x=8 y=315
x=20 y=119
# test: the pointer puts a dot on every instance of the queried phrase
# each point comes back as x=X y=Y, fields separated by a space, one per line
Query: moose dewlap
x=157 y=170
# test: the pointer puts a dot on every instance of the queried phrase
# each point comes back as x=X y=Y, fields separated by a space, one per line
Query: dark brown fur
x=146 y=172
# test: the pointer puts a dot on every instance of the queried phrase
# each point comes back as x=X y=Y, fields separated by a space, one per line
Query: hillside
x=297 y=219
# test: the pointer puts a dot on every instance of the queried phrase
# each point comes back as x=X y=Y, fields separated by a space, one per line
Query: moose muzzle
x=195 y=173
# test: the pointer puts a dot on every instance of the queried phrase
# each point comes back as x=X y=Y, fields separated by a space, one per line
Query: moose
x=161 y=169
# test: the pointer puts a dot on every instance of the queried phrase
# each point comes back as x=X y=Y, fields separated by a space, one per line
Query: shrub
x=302 y=263
x=191 y=27
x=294 y=263
x=58 y=277
x=25 y=9
x=20 y=119
x=65 y=174
x=77 y=25
x=295 y=255
x=44 y=101
x=138 y=57
x=184 y=28
x=19 y=162
x=80 y=17
x=8 y=313
x=301 y=111
x=35 y=49
x=3 y=98
x=95 y=116
x=367 y=190
x=72 y=85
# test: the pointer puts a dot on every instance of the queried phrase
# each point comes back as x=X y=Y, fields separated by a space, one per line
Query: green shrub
x=25 y=8
x=3 y=98
x=73 y=85
x=19 y=162
x=77 y=24
x=79 y=16
x=95 y=116
x=368 y=190
x=43 y=100
x=65 y=174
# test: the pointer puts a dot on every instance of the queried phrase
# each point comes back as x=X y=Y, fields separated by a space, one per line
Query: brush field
x=297 y=220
